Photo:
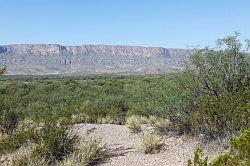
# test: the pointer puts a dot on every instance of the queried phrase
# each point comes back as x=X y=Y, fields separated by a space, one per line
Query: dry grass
x=80 y=118
x=3 y=136
x=151 y=143
x=91 y=153
x=160 y=124
x=28 y=161
x=134 y=124
x=111 y=120
x=22 y=157
x=106 y=120
x=28 y=124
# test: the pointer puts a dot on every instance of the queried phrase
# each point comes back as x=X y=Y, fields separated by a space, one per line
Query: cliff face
x=44 y=59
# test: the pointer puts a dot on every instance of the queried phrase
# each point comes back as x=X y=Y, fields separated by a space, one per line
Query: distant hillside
x=45 y=59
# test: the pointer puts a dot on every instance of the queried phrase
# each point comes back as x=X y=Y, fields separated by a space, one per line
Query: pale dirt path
x=126 y=149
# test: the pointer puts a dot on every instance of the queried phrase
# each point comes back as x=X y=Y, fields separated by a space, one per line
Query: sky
x=163 y=23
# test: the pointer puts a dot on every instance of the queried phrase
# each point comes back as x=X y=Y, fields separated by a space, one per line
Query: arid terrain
x=125 y=149
x=198 y=117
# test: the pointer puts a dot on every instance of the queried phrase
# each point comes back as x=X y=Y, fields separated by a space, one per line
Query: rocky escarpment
x=44 y=59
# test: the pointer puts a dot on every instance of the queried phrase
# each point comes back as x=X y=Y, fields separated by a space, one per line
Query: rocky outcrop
x=44 y=59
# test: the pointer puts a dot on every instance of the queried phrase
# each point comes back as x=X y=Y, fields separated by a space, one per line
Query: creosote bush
x=134 y=124
x=198 y=160
x=215 y=93
x=9 y=121
x=89 y=99
x=218 y=117
x=16 y=140
x=151 y=143
x=239 y=154
x=57 y=142
x=52 y=142
x=241 y=143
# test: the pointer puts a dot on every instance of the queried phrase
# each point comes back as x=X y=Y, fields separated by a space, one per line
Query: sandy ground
x=125 y=148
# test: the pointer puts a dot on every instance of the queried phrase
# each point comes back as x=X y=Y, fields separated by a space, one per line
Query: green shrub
x=118 y=114
x=241 y=144
x=215 y=95
x=40 y=152
x=237 y=156
x=52 y=142
x=21 y=161
x=218 y=117
x=226 y=160
x=16 y=140
x=151 y=143
x=88 y=99
x=64 y=121
x=198 y=160
x=9 y=121
x=56 y=143
x=134 y=124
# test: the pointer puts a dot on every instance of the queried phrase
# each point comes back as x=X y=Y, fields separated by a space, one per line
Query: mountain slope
x=41 y=59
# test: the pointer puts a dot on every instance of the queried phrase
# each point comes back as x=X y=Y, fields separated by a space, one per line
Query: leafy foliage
x=222 y=71
x=241 y=144
x=198 y=158
x=215 y=99
x=16 y=140
x=238 y=156
x=211 y=97
x=89 y=99
x=52 y=142
x=8 y=121
x=218 y=117
x=56 y=143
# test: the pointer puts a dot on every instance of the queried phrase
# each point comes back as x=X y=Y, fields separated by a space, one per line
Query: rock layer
x=44 y=59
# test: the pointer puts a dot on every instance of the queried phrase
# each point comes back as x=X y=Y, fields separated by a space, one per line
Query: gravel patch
x=126 y=151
